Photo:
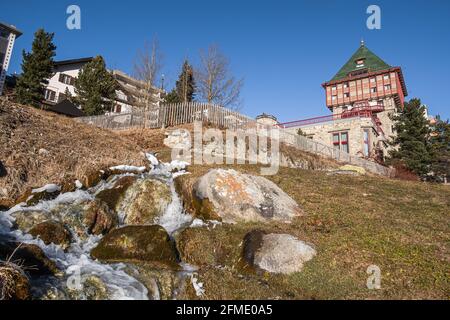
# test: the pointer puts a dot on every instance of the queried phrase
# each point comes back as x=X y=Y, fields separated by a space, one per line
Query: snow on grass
x=49 y=188
x=198 y=286
x=129 y=168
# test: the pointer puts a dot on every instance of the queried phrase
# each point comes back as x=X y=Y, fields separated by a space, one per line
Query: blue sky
x=284 y=50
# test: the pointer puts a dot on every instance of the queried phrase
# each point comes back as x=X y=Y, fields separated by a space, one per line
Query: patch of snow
x=50 y=188
x=78 y=196
x=129 y=168
x=198 y=286
x=197 y=223
x=152 y=159
x=78 y=184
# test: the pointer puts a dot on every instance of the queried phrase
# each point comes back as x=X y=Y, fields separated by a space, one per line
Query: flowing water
x=75 y=263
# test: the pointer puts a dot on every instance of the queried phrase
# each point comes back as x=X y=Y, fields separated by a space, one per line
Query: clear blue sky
x=283 y=49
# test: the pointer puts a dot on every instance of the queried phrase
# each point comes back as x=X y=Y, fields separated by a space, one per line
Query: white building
x=65 y=73
x=131 y=93
x=8 y=35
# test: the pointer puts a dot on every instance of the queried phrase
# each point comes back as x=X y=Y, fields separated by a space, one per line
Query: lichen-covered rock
x=52 y=232
x=27 y=219
x=112 y=197
x=30 y=256
x=93 y=288
x=33 y=196
x=201 y=208
x=99 y=218
x=276 y=253
x=351 y=168
x=145 y=200
x=14 y=284
x=235 y=197
x=149 y=244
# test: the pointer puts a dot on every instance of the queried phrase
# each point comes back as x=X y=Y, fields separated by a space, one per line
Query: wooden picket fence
x=170 y=115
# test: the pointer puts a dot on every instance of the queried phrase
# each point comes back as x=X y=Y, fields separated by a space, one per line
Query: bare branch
x=214 y=83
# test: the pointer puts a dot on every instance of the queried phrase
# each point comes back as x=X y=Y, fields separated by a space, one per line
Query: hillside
x=352 y=221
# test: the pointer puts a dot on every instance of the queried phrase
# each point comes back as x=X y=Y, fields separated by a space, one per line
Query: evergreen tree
x=95 y=88
x=185 y=86
x=440 y=150
x=37 y=68
x=411 y=144
x=172 y=97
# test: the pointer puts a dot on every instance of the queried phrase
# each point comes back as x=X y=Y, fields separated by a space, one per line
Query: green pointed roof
x=371 y=62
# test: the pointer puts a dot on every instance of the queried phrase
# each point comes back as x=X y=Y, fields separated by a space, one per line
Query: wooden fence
x=170 y=115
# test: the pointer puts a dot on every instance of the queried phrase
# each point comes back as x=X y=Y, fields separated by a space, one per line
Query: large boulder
x=33 y=196
x=148 y=244
x=52 y=232
x=235 y=196
x=113 y=197
x=145 y=200
x=276 y=253
x=14 y=284
x=29 y=256
x=27 y=219
x=99 y=218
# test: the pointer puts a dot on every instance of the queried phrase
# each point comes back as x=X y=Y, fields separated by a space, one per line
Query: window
x=333 y=88
x=373 y=80
x=387 y=87
x=346 y=94
x=386 y=77
x=50 y=95
x=360 y=63
x=366 y=142
x=345 y=85
x=373 y=90
x=340 y=141
x=333 y=97
x=66 y=79
x=358 y=72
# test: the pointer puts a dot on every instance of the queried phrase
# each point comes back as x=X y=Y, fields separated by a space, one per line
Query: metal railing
x=169 y=115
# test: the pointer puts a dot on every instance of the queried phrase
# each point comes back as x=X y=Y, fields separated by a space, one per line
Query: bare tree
x=214 y=82
x=147 y=67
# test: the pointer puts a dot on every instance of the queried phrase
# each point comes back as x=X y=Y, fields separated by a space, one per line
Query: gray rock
x=235 y=196
x=276 y=253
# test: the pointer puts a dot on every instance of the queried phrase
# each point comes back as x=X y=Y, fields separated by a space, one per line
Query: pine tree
x=411 y=144
x=185 y=86
x=172 y=97
x=440 y=150
x=37 y=67
x=95 y=88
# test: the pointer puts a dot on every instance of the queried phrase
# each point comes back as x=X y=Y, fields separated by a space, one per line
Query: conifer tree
x=440 y=150
x=411 y=145
x=37 y=68
x=95 y=88
x=185 y=86
x=172 y=97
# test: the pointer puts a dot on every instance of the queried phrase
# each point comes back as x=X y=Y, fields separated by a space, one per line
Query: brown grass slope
x=39 y=147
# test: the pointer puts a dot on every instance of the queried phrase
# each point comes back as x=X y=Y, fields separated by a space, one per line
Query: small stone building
x=361 y=96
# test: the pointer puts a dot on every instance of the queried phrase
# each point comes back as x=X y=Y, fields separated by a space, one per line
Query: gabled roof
x=72 y=61
x=372 y=63
x=67 y=108
x=11 y=28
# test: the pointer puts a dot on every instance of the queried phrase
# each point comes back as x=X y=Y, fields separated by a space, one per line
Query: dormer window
x=360 y=63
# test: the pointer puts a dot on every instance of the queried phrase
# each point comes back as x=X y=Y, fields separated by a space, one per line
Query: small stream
x=75 y=263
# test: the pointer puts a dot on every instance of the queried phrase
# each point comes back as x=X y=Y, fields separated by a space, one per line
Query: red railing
x=363 y=111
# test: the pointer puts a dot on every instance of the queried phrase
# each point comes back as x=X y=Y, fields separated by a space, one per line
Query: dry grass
x=354 y=221
x=39 y=147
